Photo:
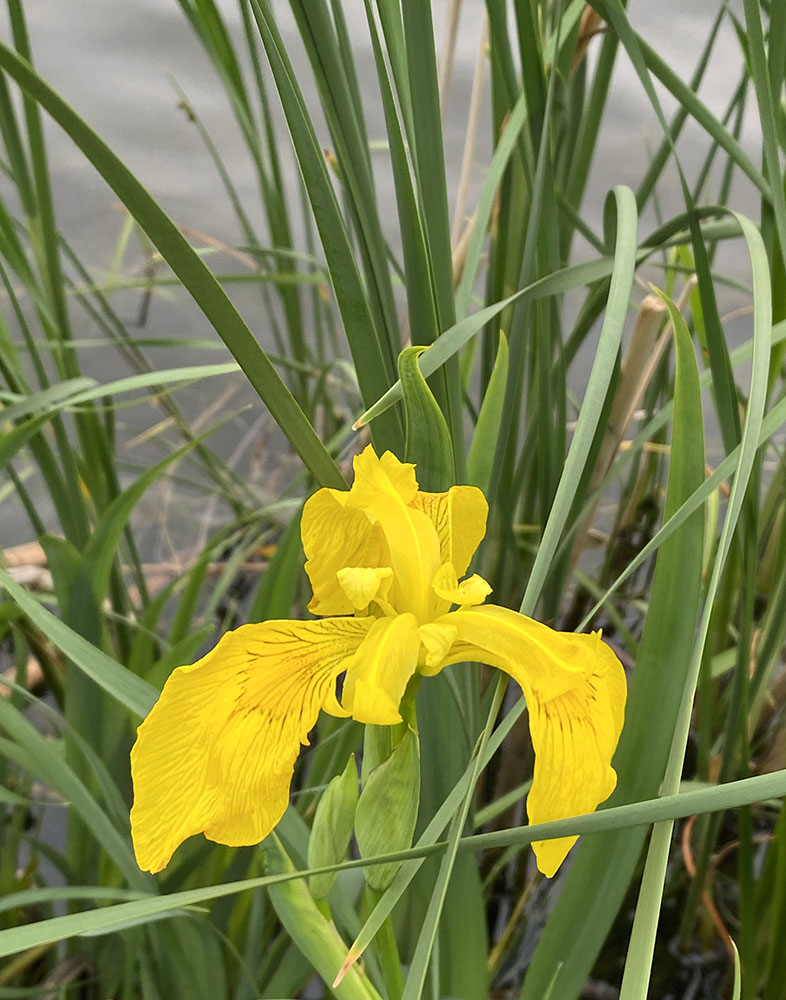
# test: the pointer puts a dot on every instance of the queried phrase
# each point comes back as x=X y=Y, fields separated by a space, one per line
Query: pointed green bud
x=332 y=829
x=388 y=809
x=480 y=460
x=428 y=442
x=311 y=932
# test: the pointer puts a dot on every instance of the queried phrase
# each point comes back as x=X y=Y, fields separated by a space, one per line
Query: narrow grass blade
x=188 y=266
x=637 y=969
x=122 y=685
x=687 y=447
x=480 y=223
x=428 y=151
x=373 y=355
x=44 y=399
x=624 y=204
x=41 y=758
x=11 y=441
x=766 y=100
x=702 y=800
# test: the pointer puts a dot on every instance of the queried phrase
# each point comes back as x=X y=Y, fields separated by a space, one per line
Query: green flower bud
x=332 y=829
x=428 y=442
x=388 y=809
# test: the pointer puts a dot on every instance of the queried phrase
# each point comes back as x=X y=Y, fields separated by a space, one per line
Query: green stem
x=387 y=950
x=407 y=706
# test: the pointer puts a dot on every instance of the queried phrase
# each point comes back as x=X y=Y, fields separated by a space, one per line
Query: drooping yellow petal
x=575 y=689
x=379 y=672
x=459 y=517
x=216 y=753
x=548 y=661
x=336 y=535
x=473 y=590
x=574 y=737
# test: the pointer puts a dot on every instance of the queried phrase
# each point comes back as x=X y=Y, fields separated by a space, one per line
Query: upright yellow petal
x=379 y=672
x=575 y=689
x=334 y=536
x=459 y=517
x=216 y=753
x=372 y=525
x=383 y=489
x=375 y=475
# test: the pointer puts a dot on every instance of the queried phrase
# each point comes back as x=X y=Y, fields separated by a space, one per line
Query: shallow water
x=118 y=64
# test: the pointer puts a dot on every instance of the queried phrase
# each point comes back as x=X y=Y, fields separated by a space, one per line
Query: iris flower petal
x=459 y=517
x=379 y=476
x=216 y=753
x=574 y=737
x=374 y=524
x=362 y=584
x=379 y=672
x=473 y=590
x=575 y=689
x=436 y=640
x=412 y=542
x=334 y=536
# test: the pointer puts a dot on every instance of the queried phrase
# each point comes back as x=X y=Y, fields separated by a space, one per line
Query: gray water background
x=117 y=64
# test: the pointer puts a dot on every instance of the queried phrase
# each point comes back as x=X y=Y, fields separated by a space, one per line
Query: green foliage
x=331 y=831
x=388 y=809
x=668 y=532
x=427 y=442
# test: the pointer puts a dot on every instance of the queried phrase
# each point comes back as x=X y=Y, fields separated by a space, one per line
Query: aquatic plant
x=631 y=459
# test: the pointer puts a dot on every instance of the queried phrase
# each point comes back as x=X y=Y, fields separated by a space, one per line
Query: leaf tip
x=349 y=961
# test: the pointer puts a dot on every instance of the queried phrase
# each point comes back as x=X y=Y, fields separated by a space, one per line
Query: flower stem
x=387 y=950
x=407 y=706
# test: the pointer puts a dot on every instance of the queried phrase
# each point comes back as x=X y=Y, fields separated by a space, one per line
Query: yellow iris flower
x=386 y=561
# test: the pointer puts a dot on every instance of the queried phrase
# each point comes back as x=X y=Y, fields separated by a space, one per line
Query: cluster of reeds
x=608 y=508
